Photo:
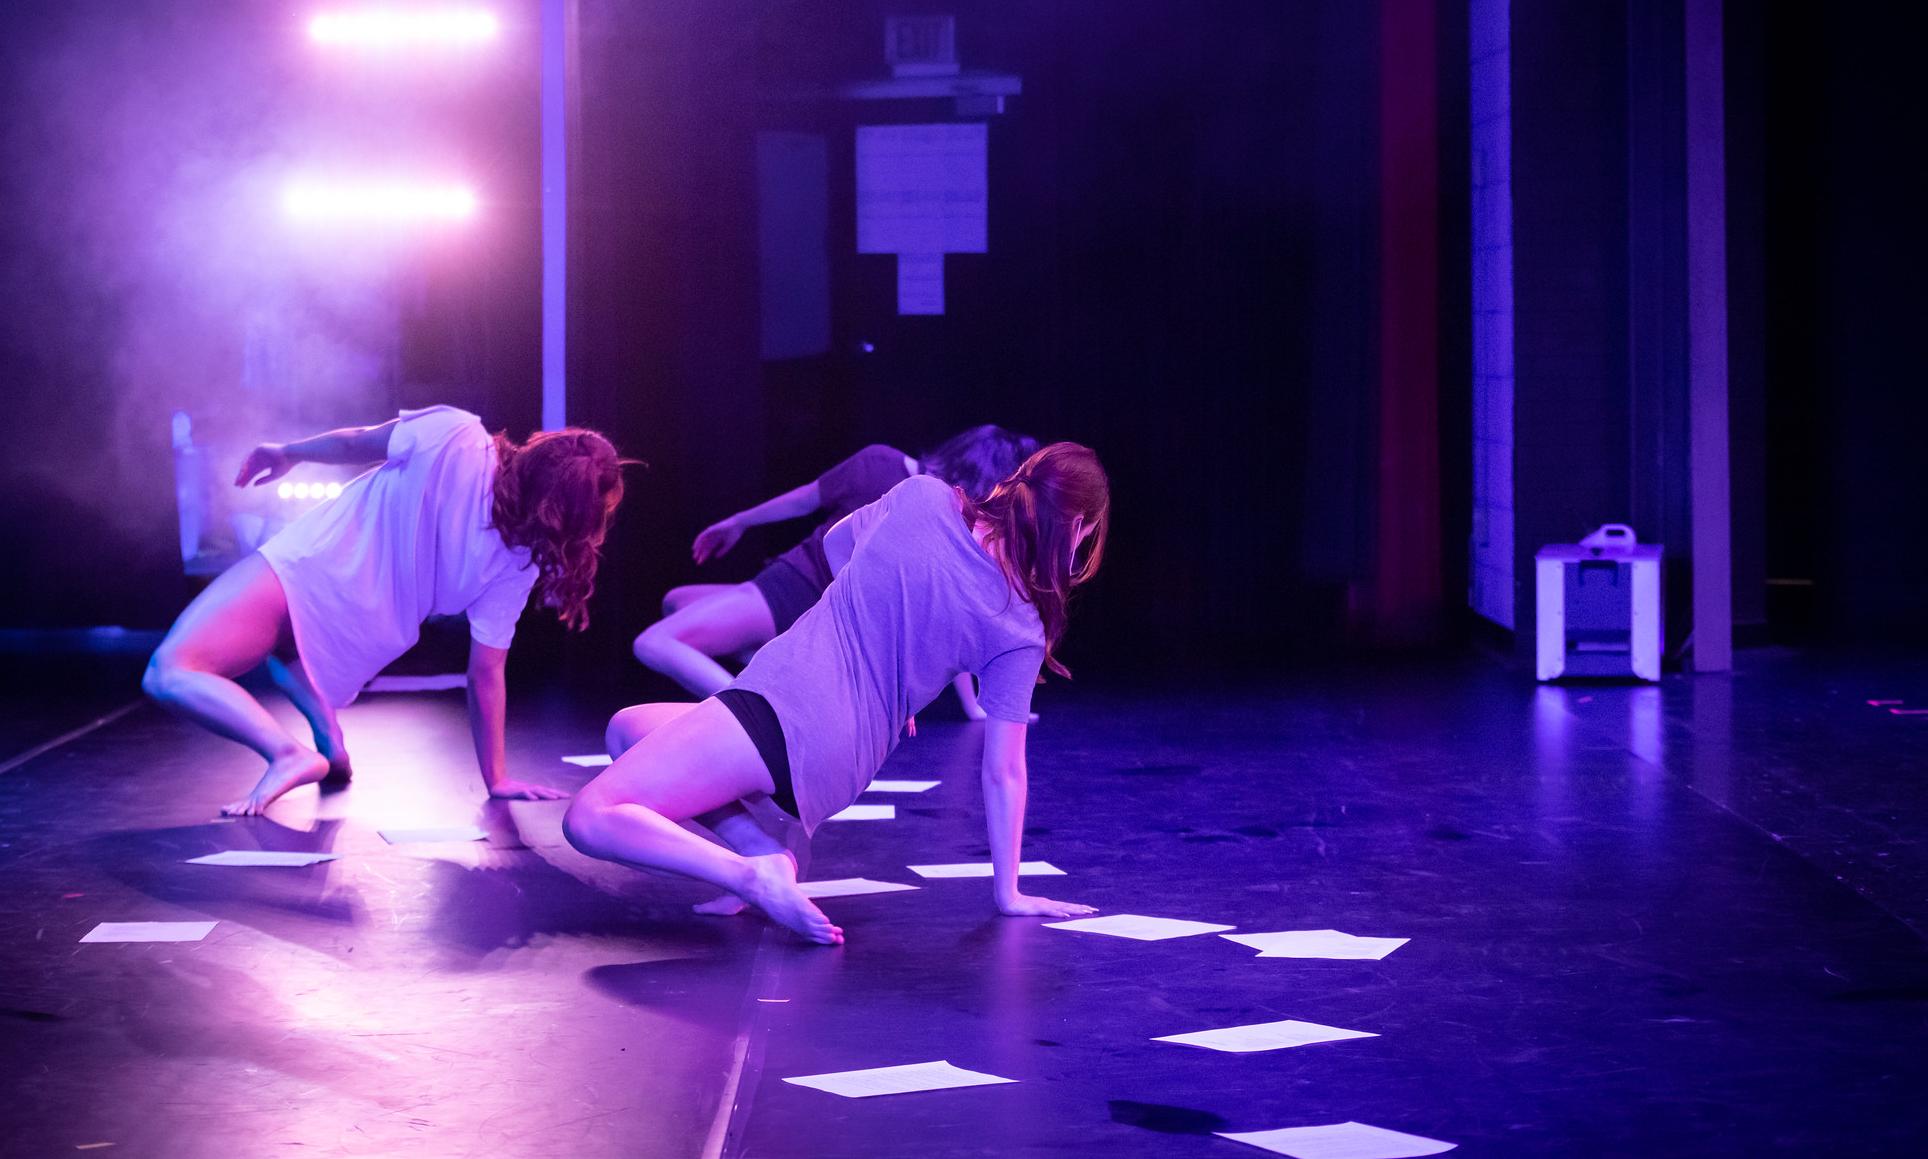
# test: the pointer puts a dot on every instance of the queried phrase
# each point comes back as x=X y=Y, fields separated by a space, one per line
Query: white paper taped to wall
x=922 y=192
x=920 y=283
x=921 y=189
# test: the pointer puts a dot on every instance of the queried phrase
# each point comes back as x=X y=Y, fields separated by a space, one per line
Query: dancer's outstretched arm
x=1005 y=784
x=347 y=445
x=716 y=540
x=488 y=717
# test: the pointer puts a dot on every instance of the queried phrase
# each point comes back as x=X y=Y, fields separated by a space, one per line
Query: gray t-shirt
x=919 y=602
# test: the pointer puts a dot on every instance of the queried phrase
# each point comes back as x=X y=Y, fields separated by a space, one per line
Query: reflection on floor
x=1656 y=921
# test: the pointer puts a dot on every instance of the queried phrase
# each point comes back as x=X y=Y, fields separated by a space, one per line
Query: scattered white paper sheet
x=1340 y=1141
x=1264 y=1036
x=867 y=813
x=897 y=1080
x=850 y=887
x=920 y=284
x=451 y=833
x=1138 y=927
x=1318 y=944
x=983 y=869
x=901 y=786
x=590 y=760
x=149 y=932
x=260 y=857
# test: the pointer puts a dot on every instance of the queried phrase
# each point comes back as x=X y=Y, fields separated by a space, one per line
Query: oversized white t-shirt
x=919 y=602
x=405 y=541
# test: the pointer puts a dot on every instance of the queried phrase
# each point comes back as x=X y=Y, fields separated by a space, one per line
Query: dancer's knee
x=628 y=726
x=586 y=826
x=162 y=678
x=655 y=645
x=675 y=599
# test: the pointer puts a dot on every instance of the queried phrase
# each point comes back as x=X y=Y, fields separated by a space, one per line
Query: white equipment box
x=1599 y=606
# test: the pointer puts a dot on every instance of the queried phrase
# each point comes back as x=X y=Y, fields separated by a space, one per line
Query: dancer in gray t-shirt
x=935 y=585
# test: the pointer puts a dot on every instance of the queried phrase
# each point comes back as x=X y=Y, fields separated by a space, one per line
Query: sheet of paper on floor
x=261 y=857
x=1264 y=1036
x=1318 y=944
x=1138 y=927
x=1340 y=1141
x=902 y=786
x=867 y=813
x=983 y=869
x=850 y=887
x=591 y=760
x=449 y=833
x=897 y=1080
x=149 y=932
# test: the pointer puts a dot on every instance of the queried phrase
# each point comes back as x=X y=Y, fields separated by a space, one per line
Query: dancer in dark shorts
x=702 y=622
x=935 y=585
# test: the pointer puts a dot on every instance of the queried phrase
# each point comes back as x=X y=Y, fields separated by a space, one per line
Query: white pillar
x=556 y=21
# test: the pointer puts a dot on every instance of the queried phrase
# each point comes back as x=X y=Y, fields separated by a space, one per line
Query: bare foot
x=773 y=889
x=727 y=906
x=298 y=768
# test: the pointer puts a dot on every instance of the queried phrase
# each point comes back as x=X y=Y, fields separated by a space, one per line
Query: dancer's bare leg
x=229 y=628
x=754 y=829
x=630 y=725
x=697 y=763
x=292 y=679
x=676 y=599
x=684 y=644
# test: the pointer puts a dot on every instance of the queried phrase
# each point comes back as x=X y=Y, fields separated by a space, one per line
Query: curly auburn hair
x=1028 y=519
x=556 y=495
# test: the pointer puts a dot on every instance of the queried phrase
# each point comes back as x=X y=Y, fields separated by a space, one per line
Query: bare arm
x=488 y=718
x=348 y=445
x=716 y=540
x=850 y=533
x=966 y=686
x=1005 y=787
x=840 y=543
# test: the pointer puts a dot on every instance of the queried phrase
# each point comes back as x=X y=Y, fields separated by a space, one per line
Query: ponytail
x=1028 y=519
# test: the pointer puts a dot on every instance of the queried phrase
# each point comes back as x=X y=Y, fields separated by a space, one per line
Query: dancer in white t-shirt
x=454 y=521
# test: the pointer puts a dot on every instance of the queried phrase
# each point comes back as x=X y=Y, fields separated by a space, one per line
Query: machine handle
x=1611 y=537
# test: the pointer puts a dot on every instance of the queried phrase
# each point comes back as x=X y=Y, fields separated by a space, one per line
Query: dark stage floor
x=1657 y=922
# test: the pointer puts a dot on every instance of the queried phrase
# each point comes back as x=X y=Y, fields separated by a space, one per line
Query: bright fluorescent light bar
x=378 y=201
x=394 y=27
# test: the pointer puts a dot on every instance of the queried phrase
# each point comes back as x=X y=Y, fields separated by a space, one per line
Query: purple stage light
x=389 y=27
x=379 y=201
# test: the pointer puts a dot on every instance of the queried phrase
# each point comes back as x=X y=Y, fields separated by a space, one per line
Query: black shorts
x=759 y=722
x=788 y=591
